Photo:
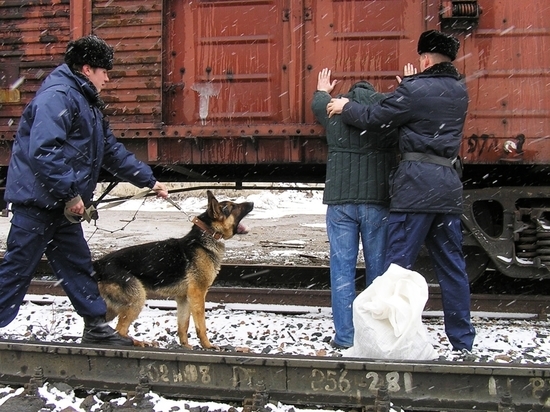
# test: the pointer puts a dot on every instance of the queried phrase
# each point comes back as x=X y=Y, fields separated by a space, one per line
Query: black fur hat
x=433 y=41
x=89 y=50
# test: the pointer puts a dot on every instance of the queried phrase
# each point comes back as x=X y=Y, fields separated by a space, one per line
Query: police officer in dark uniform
x=62 y=143
x=429 y=110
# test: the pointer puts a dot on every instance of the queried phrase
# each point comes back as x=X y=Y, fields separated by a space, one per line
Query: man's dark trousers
x=442 y=234
x=36 y=231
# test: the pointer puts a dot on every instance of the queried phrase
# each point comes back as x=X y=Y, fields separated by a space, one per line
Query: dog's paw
x=211 y=347
x=144 y=344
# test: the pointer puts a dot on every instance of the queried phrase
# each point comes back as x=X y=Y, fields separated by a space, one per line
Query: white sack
x=387 y=317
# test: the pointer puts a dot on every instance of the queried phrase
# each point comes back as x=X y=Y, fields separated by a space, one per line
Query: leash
x=91 y=213
x=141 y=195
x=119 y=202
x=175 y=205
x=137 y=196
x=197 y=222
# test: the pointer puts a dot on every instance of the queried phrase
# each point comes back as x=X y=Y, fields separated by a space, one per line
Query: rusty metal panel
x=248 y=61
x=507 y=65
x=229 y=150
x=33 y=38
x=225 y=61
x=134 y=29
x=247 y=69
x=361 y=40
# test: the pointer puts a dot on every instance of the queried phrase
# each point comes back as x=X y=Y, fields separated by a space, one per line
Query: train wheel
x=3 y=204
x=476 y=264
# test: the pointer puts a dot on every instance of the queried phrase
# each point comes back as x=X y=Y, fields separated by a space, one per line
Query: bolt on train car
x=220 y=90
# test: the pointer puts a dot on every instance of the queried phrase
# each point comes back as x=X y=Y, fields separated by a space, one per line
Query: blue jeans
x=346 y=225
x=34 y=232
x=442 y=234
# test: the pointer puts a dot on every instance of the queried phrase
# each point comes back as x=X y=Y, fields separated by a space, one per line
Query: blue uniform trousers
x=442 y=234
x=35 y=232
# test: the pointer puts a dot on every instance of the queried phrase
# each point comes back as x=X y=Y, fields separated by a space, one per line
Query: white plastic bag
x=387 y=317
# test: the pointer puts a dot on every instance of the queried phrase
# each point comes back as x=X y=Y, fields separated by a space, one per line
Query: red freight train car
x=219 y=90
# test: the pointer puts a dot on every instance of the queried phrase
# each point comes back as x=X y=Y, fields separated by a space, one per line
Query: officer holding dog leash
x=62 y=143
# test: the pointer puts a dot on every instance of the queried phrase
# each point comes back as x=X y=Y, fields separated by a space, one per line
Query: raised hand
x=408 y=70
x=323 y=81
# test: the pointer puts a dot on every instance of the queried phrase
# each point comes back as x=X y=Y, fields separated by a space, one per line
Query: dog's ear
x=213 y=205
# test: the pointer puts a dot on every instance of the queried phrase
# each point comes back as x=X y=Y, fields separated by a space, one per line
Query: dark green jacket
x=359 y=162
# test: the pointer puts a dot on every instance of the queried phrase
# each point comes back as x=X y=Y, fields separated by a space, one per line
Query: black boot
x=98 y=332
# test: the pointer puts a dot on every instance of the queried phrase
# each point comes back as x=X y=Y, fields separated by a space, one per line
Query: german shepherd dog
x=182 y=269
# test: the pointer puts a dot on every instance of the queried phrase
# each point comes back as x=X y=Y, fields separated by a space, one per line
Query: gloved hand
x=75 y=211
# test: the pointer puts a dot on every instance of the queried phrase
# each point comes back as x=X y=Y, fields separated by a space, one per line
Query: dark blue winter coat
x=62 y=143
x=429 y=110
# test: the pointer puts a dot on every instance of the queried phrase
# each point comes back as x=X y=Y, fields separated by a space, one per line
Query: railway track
x=535 y=307
x=296 y=380
x=253 y=379
x=236 y=284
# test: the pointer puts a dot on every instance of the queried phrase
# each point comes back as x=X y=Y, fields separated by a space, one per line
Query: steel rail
x=535 y=307
x=309 y=286
x=297 y=380
x=252 y=274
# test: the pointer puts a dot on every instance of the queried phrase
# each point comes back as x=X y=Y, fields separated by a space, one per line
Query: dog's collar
x=204 y=228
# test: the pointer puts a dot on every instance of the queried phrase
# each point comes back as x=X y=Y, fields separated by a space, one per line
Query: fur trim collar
x=442 y=69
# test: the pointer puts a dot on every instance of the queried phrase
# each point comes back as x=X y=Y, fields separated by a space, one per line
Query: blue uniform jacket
x=429 y=110
x=62 y=143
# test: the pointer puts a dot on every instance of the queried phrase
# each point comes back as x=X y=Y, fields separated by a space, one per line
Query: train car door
x=362 y=40
x=232 y=62
x=507 y=66
x=227 y=63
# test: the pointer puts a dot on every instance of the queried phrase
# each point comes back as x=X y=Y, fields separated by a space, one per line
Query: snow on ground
x=258 y=329
x=62 y=399
x=261 y=329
